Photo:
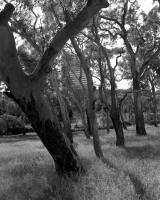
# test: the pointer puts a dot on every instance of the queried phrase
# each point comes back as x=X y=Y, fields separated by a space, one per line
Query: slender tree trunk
x=92 y=116
x=123 y=122
x=118 y=127
x=101 y=87
x=94 y=130
x=139 y=118
x=88 y=123
x=107 y=114
x=82 y=113
x=91 y=101
x=154 y=102
x=115 y=113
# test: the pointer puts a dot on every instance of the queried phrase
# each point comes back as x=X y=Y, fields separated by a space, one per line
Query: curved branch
x=69 y=31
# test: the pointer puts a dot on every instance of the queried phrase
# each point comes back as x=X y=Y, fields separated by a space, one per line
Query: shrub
x=9 y=107
x=10 y=125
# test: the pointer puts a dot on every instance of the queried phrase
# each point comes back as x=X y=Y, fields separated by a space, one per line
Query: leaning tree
x=28 y=90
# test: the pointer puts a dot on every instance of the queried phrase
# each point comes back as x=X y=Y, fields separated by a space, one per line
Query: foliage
x=7 y=106
x=10 y=125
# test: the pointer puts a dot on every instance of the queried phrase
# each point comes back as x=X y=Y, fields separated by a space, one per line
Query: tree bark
x=115 y=116
x=123 y=122
x=101 y=87
x=88 y=123
x=82 y=113
x=63 y=109
x=92 y=114
x=58 y=145
x=118 y=127
x=139 y=118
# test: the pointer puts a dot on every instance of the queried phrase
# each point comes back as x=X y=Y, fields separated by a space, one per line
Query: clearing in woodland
x=27 y=170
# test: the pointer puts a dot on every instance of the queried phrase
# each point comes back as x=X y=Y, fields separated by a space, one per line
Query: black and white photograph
x=80 y=100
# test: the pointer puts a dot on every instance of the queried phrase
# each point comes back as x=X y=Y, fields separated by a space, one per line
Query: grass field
x=27 y=170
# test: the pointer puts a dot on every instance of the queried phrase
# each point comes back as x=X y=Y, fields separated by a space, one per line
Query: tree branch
x=69 y=31
x=149 y=60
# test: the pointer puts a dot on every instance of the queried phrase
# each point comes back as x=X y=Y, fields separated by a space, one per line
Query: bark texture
x=58 y=145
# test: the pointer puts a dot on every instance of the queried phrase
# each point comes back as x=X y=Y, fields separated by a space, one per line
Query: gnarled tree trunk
x=42 y=119
x=27 y=91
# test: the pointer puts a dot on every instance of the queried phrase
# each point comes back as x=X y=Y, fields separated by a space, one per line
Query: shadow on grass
x=38 y=181
x=143 y=152
x=18 y=138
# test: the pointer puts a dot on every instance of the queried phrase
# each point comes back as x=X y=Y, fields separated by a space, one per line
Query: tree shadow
x=19 y=138
x=143 y=152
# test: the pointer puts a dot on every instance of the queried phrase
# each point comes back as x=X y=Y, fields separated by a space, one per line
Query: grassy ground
x=27 y=170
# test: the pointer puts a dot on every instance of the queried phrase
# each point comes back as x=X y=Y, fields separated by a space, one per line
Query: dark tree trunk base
x=56 y=142
x=141 y=133
x=120 y=141
x=140 y=127
x=138 y=109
